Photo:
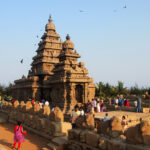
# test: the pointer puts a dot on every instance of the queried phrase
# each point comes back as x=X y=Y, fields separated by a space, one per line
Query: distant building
x=56 y=75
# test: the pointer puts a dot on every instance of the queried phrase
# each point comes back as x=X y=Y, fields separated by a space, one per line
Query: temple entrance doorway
x=79 y=93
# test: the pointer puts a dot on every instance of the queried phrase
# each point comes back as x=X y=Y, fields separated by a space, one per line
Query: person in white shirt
x=81 y=111
x=53 y=109
x=106 y=118
x=47 y=103
x=74 y=115
x=98 y=107
x=135 y=103
x=116 y=101
x=41 y=105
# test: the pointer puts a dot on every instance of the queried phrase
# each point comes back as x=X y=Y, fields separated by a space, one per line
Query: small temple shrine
x=56 y=75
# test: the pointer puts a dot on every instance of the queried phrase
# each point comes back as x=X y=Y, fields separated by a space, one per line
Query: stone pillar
x=36 y=93
x=85 y=93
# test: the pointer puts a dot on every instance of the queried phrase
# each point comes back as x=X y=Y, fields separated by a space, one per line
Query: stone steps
x=52 y=146
x=58 y=143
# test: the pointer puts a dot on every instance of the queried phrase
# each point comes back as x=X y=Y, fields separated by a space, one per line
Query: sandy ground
x=121 y=113
x=32 y=141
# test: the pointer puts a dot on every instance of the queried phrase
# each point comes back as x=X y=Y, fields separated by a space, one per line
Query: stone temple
x=56 y=75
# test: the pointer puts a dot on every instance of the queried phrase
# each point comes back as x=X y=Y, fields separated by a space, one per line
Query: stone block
x=103 y=143
x=145 y=128
x=65 y=126
x=146 y=110
x=74 y=134
x=83 y=136
x=133 y=135
x=116 y=145
x=90 y=121
x=92 y=138
x=81 y=122
x=104 y=128
x=51 y=146
x=136 y=147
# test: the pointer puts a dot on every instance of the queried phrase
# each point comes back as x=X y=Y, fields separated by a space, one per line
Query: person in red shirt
x=127 y=103
x=33 y=102
x=18 y=135
x=12 y=101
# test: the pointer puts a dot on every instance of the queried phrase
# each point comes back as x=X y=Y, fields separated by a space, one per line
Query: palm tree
x=120 y=88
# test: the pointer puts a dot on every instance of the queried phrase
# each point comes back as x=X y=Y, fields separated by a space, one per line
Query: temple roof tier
x=50 y=25
x=68 y=44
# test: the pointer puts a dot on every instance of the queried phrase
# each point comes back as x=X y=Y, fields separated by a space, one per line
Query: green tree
x=120 y=88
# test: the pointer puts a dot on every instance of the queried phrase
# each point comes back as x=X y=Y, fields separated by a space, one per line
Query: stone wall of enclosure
x=40 y=121
x=109 y=135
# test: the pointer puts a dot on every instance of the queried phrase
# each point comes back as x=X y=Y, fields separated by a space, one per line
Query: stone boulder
x=56 y=115
x=22 y=106
x=116 y=127
x=16 y=105
x=92 y=138
x=145 y=129
x=133 y=135
x=104 y=127
x=90 y=121
x=102 y=143
x=46 y=111
x=81 y=122
x=85 y=122
x=83 y=136
x=74 y=134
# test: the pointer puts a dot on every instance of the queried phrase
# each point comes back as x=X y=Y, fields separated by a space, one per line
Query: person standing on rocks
x=139 y=101
x=124 y=123
x=106 y=118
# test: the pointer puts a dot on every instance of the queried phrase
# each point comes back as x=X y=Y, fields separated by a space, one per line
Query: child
x=18 y=137
x=124 y=123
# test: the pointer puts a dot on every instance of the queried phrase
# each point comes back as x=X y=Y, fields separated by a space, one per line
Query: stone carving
x=36 y=108
x=57 y=115
x=16 y=105
x=28 y=106
x=46 y=111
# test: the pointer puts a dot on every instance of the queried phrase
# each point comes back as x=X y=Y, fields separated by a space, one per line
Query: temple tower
x=56 y=75
x=70 y=81
x=47 y=53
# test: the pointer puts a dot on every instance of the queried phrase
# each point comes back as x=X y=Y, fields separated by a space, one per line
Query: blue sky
x=115 y=45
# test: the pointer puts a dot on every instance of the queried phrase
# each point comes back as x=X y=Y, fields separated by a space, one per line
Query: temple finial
x=68 y=37
x=50 y=18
